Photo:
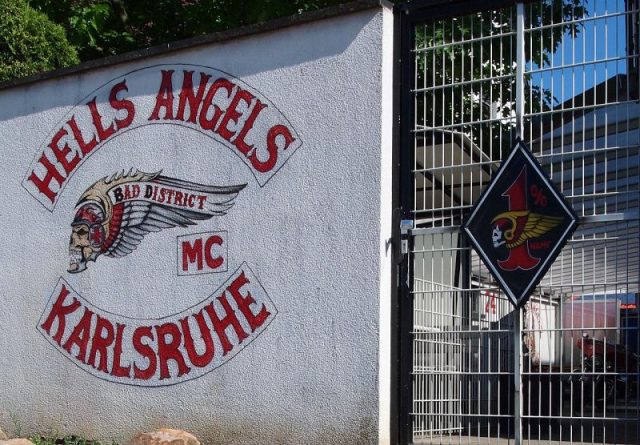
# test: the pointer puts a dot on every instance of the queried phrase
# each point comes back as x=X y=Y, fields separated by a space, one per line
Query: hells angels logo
x=116 y=213
x=520 y=224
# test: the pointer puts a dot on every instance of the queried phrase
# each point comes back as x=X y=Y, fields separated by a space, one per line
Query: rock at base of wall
x=16 y=442
x=164 y=436
x=3 y=436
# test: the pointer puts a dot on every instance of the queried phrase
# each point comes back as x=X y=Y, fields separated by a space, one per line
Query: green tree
x=473 y=81
x=30 y=42
x=101 y=28
x=95 y=28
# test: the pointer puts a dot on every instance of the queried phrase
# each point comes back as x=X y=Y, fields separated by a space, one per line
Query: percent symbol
x=539 y=198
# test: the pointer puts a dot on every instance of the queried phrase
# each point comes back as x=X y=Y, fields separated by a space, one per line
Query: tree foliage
x=99 y=28
x=466 y=68
x=32 y=32
x=30 y=42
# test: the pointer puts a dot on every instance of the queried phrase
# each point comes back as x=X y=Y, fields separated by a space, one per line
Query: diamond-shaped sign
x=520 y=224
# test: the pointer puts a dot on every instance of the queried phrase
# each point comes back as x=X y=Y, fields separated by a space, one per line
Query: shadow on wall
x=286 y=47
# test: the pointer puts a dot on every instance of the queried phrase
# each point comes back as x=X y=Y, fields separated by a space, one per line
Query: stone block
x=164 y=436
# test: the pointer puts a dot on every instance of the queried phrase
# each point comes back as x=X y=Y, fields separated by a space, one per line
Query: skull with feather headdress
x=111 y=222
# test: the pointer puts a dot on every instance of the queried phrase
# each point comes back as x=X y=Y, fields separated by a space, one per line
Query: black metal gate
x=563 y=76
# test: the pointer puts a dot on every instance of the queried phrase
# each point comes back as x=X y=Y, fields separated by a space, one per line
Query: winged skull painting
x=513 y=228
x=114 y=214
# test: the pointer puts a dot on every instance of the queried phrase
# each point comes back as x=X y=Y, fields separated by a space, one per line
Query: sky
x=597 y=53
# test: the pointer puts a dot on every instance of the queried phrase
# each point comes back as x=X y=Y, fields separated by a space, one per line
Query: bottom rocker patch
x=158 y=352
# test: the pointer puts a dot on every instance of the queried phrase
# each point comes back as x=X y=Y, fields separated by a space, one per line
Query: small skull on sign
x=496 y=237
x=87 y=236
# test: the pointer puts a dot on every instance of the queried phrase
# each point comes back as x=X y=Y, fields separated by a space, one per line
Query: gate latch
x=406 y=226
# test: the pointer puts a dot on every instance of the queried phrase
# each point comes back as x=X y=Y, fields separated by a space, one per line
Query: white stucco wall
x=312 y=240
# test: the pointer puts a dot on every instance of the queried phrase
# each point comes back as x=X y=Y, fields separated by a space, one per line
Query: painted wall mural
x=153 y=352
x=114 y=215
x=221 y=107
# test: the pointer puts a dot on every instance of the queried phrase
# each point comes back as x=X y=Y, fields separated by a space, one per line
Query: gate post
x=517 y=321
x=405 y=40
x=520 y=64
x=517 y=375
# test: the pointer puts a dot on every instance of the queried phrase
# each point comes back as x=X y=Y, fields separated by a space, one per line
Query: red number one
x=519 y=257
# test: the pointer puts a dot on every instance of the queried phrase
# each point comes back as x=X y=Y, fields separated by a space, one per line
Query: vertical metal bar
x=407 y=188
x=517 y=319
x=520 y=65
x=517 y=376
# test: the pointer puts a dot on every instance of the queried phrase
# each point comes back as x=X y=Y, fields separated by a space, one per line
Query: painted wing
x=536 y=225
x=132 y=220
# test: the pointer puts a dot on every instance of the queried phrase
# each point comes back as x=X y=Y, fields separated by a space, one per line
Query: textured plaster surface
x=312 y=235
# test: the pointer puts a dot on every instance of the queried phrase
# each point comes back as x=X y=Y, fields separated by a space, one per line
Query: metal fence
x=562 y=75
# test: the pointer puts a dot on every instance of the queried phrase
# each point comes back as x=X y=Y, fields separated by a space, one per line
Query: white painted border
x=386 y=228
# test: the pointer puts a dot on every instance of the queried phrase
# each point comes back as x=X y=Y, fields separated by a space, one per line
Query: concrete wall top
x=207 y=39
x=197 y=239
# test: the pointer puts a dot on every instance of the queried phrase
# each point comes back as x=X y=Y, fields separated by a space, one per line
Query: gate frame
x=407 y=16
